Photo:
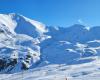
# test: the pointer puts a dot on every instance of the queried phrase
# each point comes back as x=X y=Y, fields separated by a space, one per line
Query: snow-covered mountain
x=28 y=44
x=20 y=38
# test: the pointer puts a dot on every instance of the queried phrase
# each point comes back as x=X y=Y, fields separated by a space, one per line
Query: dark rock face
x=10 y=63
x=2 y=64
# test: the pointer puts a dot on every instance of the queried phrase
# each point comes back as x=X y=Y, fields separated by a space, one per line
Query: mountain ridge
x=36 y=44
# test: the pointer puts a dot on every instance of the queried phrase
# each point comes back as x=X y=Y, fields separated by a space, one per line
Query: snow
x=38 y=25
x=64 y=42
x=49 y=53
x=87 y=28
x=71 y=50
x=89 y=71
x=14 y=55
x=35 y=55
x=8 y=21
x=94 y=41
x=79 y=45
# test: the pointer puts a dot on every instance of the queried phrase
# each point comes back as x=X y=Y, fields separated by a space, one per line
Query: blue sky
x=56 y=12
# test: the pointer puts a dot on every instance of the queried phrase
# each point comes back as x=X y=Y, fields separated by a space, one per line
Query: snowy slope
x=22 y=25
x=89 y=71
x=20 y=37
x=51 y=52
x=76 y=42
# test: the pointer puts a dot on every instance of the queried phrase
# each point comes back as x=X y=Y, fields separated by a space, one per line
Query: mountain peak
x=16 y=23
x=6 y=20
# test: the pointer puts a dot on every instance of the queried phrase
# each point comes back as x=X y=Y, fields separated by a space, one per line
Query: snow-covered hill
x=28 y=44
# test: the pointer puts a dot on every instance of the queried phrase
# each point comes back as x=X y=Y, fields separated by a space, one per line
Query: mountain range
x=28 y=44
